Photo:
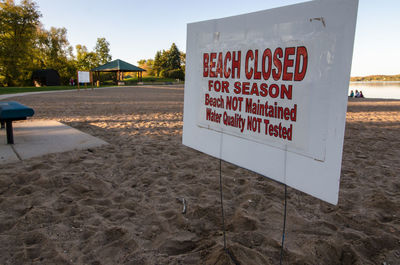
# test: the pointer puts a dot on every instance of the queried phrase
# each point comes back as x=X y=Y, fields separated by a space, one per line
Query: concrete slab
x=39 y=137
x=7 y=154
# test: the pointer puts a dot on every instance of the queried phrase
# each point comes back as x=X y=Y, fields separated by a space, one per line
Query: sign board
x=83 y=77
x=268 y=91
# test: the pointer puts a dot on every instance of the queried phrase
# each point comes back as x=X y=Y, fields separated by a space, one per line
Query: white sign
x=268 y=91
x=83 y=77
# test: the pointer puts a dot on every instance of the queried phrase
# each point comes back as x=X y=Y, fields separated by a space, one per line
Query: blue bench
x=13 y=111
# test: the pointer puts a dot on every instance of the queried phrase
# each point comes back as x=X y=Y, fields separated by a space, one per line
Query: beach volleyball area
x=123 y=203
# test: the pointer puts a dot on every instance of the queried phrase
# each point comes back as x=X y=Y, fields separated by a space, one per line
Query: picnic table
x=12 y=111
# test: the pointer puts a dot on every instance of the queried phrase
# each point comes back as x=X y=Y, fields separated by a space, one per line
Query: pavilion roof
x=117 y=65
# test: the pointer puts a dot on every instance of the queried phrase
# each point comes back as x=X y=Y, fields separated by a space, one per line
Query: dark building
x=46 y=77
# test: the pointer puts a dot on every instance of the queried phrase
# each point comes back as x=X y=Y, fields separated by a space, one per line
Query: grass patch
x=16 y=90
x=108 y=83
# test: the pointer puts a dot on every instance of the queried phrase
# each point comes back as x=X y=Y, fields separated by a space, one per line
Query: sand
x=122 y=203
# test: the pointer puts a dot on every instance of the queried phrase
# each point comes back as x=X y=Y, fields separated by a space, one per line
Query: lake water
x=377 y=89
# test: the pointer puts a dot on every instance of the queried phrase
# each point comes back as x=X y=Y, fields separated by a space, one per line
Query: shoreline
x=373 y=81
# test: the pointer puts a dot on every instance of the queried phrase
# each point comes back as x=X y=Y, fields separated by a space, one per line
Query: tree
x=85 y=60
x=157 y=65
x=169 y=63
x=26 y=46
x=173 y=58
x=53 y=51
x=102 y=51
x=147 y=65
x=18 y=24
x=141 y=62
x=183 y=62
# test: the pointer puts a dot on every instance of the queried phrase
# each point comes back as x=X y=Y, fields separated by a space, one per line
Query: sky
x=138 y=29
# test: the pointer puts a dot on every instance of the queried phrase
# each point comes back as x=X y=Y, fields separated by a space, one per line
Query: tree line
x=376 y=78
x=166 y=63
x=25 y=46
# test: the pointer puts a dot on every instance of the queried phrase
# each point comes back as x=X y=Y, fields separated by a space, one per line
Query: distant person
x=357 y=94
x=351 y=94
x=361 y=94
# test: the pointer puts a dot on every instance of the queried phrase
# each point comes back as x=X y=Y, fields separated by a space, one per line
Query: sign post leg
x=222 y=203
x=284 y=226
x=232 y=257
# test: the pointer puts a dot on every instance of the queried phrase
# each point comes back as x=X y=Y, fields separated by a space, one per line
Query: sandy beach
x=122 y=203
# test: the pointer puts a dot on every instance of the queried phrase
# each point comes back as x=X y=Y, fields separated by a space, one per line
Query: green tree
x=102 y=51
x=18 y=24
x=54 y=51
x=85 y=60
x=173 y=58
x=169 y=63
x=157 y=64
x=26 y=46
x=148 y=66
x=183 y=61
x=141 y=62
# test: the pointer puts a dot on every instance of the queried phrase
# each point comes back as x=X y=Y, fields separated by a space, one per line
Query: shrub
x=175 y=74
